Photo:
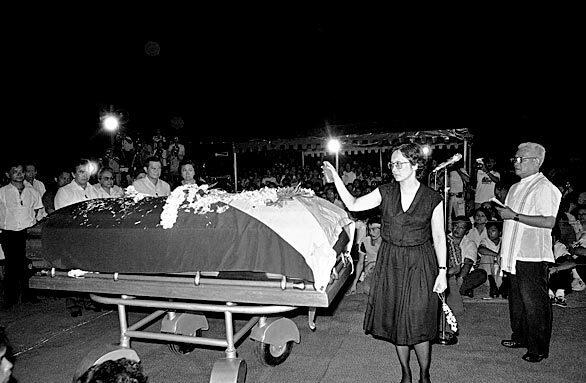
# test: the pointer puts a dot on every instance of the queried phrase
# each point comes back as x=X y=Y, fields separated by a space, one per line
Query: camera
x=479 y=162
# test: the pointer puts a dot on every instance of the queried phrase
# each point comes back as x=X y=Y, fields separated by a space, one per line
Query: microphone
x=455 y=158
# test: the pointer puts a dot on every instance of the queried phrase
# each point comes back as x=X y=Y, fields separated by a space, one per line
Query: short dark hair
x=80 y=162
x=186 y=161
x=374 y=219
x=497 y=224
x=105 y=169
x=413 y=153
x=152 y=159
x=114 y=371
x=462 y=218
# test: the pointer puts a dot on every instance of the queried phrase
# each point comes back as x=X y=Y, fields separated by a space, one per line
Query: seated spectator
x=489 y=256
x=152 y=185
x=560 y=274
x=457 y=245
x=367 y=253
x=269 y=178
x=332 y=196
x=77 y=190
x=187 y=169
x=62 y=179
x=470 y=275
x=6 y=358
x=106 y=187
x=348 y=175
x=115 y=371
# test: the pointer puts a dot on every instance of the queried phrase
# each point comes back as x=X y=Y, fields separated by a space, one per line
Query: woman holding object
x=411 y=264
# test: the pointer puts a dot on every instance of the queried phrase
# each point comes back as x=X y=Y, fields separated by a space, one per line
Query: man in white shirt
x=30 y=174
x=348 y=176
x=106 y=188
x=77 y=190
x=532 y=207
x=486 y=179
x=152 y=185
x=19 y=206
x=458 y=180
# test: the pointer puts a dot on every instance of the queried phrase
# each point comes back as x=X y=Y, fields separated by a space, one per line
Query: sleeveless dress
x=402 y=307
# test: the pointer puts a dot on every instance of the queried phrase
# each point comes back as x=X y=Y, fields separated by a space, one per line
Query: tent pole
x=380 y=161
x=235 y=168
x=302 y=159
x=466 y=155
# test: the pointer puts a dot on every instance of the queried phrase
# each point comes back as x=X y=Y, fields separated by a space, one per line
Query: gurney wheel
x=184 y=348
x=273 y=355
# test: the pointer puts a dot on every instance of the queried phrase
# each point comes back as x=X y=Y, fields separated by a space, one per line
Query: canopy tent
x=366 y=143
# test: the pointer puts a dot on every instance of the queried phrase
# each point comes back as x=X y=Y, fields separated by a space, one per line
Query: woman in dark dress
x=411 y=264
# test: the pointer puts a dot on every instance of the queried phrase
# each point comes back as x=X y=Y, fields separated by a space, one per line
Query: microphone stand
x=445 y=338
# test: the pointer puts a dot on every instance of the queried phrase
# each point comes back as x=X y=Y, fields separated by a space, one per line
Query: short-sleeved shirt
x=74 y=193
x=485 y=186
x=17 y=210
x=145 y=186
x=115 y=191
x=522 y=242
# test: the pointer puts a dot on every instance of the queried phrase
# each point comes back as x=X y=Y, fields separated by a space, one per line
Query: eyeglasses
x=107 y=178
x=518 y=160
x=397 y=164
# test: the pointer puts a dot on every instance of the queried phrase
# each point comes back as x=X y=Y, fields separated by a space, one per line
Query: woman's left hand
x=441 y=283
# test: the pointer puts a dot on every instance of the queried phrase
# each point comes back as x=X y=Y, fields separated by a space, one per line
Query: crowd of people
x=511 y=228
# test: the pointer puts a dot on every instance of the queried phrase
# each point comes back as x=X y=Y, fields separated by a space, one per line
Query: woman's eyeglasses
x=518 y=160
x=397 y=164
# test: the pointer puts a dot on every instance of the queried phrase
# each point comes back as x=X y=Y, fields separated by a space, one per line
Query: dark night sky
x=286 y=72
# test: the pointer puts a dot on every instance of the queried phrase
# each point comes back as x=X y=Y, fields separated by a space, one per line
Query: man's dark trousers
x=529 y=306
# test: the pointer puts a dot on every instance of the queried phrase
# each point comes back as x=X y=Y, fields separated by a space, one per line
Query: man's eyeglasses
x=107 y=178
x=397 y=164
x=518 y=160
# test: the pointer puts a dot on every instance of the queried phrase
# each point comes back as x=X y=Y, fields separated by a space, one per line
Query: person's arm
x=492 y=177
x=439 y=244
x=529 y=220
x=483 y=250
x=365 y=202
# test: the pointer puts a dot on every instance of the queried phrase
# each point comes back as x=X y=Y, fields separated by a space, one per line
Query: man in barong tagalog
x=529 y=215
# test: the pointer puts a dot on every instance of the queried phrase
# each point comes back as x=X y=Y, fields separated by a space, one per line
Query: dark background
x=233 y=73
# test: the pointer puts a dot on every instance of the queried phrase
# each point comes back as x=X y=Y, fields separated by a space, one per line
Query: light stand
x=445 y=338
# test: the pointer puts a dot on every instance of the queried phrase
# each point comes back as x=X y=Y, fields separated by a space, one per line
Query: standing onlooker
x=176 y=153
x=62 y=179
x=348 y=176
x=486 y=179
x=77 y=190
x=19 y=206
x=106 y=188
x=458 y=181
x=367 y=253
x=532 y=207
x=152 y=185
x=30 y=179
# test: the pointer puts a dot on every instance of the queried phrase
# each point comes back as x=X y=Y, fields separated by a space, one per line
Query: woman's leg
x=423 y=352
x=403 y=352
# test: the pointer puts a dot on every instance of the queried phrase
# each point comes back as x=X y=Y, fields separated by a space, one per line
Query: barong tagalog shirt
x=145 y=186
x=73 y=193
x=115 y=191
x=17 y=210
x=533 y=195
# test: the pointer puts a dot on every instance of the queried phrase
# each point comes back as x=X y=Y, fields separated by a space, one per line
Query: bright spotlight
x=92 y=167
x=426 y=149
x=110 y=122
x=334 y=145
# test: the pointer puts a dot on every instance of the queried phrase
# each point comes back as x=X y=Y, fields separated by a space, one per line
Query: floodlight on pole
x=110 y=122
x=334 y=146
x=426 y=150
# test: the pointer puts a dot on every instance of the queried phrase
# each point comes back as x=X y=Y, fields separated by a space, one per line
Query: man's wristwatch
x=516 y=217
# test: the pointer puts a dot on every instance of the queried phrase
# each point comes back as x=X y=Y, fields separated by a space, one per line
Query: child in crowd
x=489 y=256
x=367 y=253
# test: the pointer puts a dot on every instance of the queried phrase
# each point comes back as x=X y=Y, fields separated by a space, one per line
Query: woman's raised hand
x=328 y=171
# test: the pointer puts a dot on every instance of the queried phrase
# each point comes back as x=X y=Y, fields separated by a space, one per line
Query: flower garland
x=450 y=317
x=202 y=200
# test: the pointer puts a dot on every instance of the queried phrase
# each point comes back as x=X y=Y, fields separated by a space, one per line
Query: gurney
x=233 y=258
